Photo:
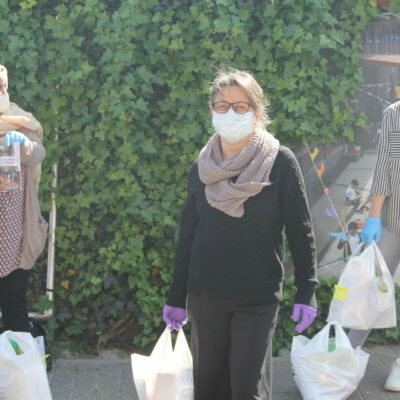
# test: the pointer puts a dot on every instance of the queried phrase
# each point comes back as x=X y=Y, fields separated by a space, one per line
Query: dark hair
x=355 y=182
x=352 y=226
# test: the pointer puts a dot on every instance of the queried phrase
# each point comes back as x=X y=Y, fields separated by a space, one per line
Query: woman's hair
x=245 y=81
x=352 y=226
x=354 y=182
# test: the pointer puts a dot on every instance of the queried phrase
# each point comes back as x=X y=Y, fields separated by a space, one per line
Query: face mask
x=4 y=102
x=232 y=126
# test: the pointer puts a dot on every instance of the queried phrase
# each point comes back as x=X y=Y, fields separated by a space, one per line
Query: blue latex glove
x=372 y=230
x=308 y=314
x=14 y=136
x=174 y=317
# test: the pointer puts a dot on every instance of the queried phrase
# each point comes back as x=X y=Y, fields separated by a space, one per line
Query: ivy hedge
x=124 y=86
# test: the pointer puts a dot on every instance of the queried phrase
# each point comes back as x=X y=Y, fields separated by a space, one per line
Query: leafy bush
x=124 y=85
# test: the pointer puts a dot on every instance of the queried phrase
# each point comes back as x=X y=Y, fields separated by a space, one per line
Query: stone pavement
x=361 y=170
x=111 y=378
x=329 y=260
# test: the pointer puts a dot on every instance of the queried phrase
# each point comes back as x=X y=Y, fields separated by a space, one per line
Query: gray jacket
x=35 y=227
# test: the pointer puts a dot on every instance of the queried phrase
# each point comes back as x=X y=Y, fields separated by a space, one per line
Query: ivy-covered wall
x=124 y=85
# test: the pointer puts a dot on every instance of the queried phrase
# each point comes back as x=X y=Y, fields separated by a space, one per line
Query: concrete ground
x=109 y=376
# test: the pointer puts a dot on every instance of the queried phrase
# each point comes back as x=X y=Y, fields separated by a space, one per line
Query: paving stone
x=111 y=379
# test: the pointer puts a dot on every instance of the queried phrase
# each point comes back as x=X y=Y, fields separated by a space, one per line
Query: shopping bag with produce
x=327 y=368
x=22 y=368
x=167 y=374
x=364 y=297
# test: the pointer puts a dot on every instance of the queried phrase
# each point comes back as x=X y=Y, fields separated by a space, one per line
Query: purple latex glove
x=308 y=314
x=174 y=317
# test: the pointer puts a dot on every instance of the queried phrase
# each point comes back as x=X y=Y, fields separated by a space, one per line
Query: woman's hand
x=372 y=230
x=18 y=137
x=308 y=314
x=174 y=317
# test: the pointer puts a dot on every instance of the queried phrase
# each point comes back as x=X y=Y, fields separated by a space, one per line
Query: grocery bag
x=22 y=368
x=167 y=374
x=364 y=297
x=327 y=369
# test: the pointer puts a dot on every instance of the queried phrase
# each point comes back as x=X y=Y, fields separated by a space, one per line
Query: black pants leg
x=13 y=303
x=252 y=329
x=232 y=349
x=210 y=342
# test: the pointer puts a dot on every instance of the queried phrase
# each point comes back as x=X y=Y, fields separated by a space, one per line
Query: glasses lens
x=241 y=108
x=221 y=107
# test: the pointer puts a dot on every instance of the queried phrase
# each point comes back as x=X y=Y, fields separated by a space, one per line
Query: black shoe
x=38 y=330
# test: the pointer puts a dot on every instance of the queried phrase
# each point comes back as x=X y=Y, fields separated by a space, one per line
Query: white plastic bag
x=364 y=298
x=324 y=370
x=166 y=374
x=22 y=376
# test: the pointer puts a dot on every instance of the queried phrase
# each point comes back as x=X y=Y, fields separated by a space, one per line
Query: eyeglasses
x=239 y=107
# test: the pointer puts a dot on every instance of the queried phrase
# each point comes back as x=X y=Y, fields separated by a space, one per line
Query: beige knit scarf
x=252 y=167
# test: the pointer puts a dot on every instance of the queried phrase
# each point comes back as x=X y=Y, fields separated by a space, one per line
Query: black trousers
x=13 y=303
x=232 y=348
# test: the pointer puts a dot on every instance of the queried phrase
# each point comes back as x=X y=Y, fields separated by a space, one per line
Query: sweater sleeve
x=299 y=232
x=178 y=290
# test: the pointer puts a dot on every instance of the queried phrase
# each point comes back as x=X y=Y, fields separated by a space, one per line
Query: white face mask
x=232 y=126
x=4 y=102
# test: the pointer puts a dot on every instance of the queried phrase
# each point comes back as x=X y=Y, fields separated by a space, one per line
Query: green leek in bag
x=16 y=347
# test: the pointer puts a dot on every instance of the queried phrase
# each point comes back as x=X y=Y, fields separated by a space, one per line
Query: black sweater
x=241 y=258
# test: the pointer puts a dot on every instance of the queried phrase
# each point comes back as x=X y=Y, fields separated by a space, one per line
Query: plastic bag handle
x=377 y=266
x=383 y=272
x=182 y=348
x=341 y=338
x=162 y=351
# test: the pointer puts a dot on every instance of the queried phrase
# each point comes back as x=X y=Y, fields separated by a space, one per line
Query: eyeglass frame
x=231 y=106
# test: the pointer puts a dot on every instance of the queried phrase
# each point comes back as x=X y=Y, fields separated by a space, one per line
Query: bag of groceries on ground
x=22 y=368
x=364 y=297
x=327 y=368
x=167 y=374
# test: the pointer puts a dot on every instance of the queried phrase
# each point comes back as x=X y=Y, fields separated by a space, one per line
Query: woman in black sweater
x=244 y=191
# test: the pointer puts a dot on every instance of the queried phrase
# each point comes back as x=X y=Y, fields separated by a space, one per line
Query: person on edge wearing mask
x=243 y=191
x=22 y=229
x=383 y=222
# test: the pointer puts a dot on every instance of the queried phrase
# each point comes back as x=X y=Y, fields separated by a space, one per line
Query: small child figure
x=353 y=241
x=353 y=196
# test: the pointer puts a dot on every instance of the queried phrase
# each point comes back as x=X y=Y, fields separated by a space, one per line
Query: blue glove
x=14 y=136
x=372 y=230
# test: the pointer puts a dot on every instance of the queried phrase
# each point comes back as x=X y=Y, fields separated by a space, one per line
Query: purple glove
x=174 y=317
x=308 y=314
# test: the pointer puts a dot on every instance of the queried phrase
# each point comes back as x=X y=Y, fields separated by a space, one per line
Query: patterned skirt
x=11 y=228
